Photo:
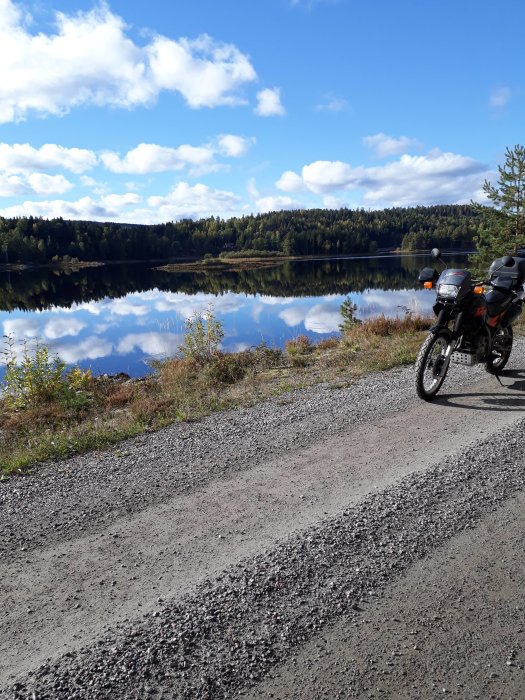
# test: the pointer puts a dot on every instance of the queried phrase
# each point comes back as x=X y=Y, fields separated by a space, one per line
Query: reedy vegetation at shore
x=102 y=411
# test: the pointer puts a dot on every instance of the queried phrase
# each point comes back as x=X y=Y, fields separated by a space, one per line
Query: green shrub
x=228 y=368
x=36 y=377
x=266 y=357
x=301 y=345
x=347 y=311
x=203 y=336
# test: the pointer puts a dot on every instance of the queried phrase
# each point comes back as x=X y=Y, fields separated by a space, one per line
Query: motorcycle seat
x=500 y=298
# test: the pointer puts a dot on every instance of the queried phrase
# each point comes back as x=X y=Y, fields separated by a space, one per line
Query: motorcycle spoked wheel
x=500 y=351
x=429 y=364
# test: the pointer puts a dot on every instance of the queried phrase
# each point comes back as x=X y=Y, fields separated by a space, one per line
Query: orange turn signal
x=428 y=285
x=478 y=290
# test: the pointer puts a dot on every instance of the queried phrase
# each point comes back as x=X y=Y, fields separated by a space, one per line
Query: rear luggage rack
x=464 y=358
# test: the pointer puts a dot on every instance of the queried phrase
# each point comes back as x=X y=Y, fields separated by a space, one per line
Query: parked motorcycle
x=474 y=320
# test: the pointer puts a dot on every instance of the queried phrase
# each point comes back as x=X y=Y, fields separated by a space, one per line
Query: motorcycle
x=474 y=320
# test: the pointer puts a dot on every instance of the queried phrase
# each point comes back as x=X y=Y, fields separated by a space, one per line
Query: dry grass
x=380 y=343
x=184 y=389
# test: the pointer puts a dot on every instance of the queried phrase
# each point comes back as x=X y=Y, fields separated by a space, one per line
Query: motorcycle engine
x=476 y=344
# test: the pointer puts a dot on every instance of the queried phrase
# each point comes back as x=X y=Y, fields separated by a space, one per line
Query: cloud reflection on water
x=112 y=335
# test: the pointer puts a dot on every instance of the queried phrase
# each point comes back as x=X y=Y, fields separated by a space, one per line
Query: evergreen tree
x=502 y=229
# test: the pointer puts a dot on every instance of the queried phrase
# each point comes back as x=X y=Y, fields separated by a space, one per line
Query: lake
x=116 y=318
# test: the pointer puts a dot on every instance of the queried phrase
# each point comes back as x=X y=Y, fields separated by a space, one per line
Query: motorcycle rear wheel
x=499 y=356
x=429 y=364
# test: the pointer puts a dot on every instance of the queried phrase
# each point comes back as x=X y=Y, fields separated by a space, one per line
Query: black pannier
x=515 y=271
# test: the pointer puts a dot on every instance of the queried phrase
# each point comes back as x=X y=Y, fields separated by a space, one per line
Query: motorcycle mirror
x=436 y=254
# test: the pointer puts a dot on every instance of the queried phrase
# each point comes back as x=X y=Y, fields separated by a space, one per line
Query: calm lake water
x=117 y=317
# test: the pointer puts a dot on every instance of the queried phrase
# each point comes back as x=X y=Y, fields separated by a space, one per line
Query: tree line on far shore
x=299 y=232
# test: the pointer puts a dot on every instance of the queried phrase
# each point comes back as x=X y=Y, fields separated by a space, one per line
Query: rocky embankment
x=322 y=544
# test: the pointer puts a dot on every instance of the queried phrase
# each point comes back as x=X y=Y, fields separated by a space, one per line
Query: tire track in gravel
x=229 y=633
x=453 y=625
x=62 y=589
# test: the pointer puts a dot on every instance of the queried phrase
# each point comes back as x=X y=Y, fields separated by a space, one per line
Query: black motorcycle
x=474 y=320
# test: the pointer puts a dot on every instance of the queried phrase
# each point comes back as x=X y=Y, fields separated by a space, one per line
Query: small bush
x=267 y=358
x=348 y=310
x=33 y=378
x=79 y=380
x=228 y=368
x=302 y=345
x=327 y=344
x=202 y=338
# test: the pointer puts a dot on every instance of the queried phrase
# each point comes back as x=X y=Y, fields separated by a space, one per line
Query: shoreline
x=192 y=263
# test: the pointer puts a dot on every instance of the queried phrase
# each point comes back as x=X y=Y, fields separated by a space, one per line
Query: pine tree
x=502 y=229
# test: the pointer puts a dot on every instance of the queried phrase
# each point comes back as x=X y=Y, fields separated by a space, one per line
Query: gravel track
x=328 y=528
x=232 y=631
x=452 y=625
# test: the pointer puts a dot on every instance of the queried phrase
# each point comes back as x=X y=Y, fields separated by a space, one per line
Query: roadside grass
x=107 y=410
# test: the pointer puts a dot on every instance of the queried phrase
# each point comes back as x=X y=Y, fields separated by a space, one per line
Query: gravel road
x=268 y=551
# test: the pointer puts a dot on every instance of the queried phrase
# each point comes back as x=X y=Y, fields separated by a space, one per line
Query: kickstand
x=499 y=380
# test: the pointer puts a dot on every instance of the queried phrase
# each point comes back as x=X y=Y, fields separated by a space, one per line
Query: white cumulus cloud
x=154 y=343
x=234 y=146
x=327 y=176
x=61 y=327
x=293 y=316
x=91 y=348
x=44 y=184
x=85 y=208
x=269 y=103
x=204 y=71
x=323 y=318
x=193 y=201
x=266 y=204
x=384 y=145
x=34 y=183
x=18 y=328
x=20 y=157
x=434 y=178
x=151 y=158
x=290 y=182
x=116 y=201
x=186 y=306
x=90 y=59
x=126 y=307
x=437 y=178
x=183 y=200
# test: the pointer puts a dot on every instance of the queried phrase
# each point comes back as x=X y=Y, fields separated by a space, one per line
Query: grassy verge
x=109 y=410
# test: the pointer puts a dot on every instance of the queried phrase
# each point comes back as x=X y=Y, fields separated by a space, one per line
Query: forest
x=299 y=232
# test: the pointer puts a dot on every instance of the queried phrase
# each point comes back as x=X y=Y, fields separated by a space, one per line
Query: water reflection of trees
x=42 y=289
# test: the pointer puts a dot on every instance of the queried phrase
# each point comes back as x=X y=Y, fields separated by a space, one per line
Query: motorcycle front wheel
x=500 y=351
x=429 y=365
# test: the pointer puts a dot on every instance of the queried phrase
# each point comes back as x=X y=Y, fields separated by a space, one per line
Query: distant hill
x=302 y=232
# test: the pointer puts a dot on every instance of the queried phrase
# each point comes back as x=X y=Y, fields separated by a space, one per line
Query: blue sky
x=149 y=112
